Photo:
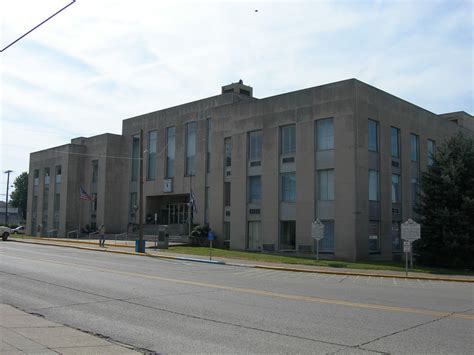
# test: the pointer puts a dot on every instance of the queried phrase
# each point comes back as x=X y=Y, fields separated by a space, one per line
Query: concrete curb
x=267 y=267
x=127 y=253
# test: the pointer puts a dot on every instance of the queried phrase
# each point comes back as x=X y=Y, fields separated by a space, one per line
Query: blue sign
x=210 y=235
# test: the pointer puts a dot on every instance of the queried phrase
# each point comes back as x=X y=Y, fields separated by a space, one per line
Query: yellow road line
x=268 y=293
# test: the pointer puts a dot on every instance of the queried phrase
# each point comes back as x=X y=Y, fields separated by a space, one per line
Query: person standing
x=102 y=235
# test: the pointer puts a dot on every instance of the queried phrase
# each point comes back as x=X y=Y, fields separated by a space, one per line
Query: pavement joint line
x=268 y=267
x=426 y=312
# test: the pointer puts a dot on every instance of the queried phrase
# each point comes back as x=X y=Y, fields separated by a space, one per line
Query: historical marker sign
x=317 y=230
x=410 y=230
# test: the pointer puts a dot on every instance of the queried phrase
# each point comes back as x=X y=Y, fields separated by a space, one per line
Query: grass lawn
x=367 y=265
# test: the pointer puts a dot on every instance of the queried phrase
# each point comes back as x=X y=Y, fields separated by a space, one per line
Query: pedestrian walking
x=102 y=235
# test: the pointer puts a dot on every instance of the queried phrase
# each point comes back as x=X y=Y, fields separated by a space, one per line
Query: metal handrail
x=50 y=231
x=71 y=232
x=118 y=235
x=91 y=234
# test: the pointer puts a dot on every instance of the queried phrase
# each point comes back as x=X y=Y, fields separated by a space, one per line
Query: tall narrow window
x=255 y=145
x=152 y=138
x=414 y=192
x=431 y=149
x=414 y=147
x=374 y=236
x=135 y=156
x=326 y=184
x=325 y=134
x=287 y=234
x=46 y=176
x=209 y=145
x=95 y=170
x=255 y=189
x=227 y=194
x=191 y=148
x=228 y=151
x=327 y=243
x=170 y=151
x=288 y=139
x=288 y=187
x=254 y=232
x=373 y=185
x=395 y=142
x=58 y=174
x=36 y=177
x=396 y=188
x=373 y=136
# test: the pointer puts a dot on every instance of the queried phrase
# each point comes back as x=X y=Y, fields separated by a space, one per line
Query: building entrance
x=170 y=209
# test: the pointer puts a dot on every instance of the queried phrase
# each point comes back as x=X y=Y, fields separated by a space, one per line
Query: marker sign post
x=317 y=233
x=410 y=232
x=210 y=237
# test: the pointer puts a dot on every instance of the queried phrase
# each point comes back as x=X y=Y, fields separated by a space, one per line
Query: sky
x=101 y=61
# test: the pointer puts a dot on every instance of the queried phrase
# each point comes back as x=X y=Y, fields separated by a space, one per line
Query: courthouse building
x=261 y=170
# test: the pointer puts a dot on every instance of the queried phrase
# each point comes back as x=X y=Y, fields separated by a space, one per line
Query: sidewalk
x=24 y=333
x=123 y=247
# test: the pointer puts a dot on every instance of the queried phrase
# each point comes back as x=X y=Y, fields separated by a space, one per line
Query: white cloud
x=99 y=62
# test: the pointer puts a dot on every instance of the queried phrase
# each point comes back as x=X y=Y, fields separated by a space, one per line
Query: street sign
x=410 y=230
x=406 y=246
x=210 y=235
x=317 y=230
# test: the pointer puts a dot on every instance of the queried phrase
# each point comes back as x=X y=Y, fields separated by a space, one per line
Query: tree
x=447 y=206
x=19 y=196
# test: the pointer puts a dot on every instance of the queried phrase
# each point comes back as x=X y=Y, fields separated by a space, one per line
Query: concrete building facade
x=260 y=170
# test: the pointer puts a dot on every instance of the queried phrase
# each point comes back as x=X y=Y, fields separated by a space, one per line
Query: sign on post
x=210 y=237
x=317 y=233
x=411 y=231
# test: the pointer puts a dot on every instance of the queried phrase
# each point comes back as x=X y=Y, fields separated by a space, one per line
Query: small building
x=260 y=170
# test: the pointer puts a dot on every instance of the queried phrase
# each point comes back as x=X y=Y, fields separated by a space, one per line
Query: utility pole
x=6 y=206
x=141 y=248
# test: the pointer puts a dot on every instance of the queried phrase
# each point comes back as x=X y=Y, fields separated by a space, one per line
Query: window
x=373 y=136
x=431 y=149
x=414 y=192
x=227 y=194
x=255 y=145
x=94 y=202
x=288 y=139
x=288 y=187
x=374 y=238
x=152 y=138
x=255 y=189
x=58 y=174
x=135 y=156
x=191 y=148
x=170 y=151
x=95 y=170
x=227 y=232
x=396 y=198
x=209 y=145
x=325 y=134
x=373 y=185
x=396 y=237
x=414 y=145
x=395 y=142
x=287 y=234
x=36 y=177
x=228 y=151
x=326 y=184
x=46 y=176
x=254 y=232
x=327 y=243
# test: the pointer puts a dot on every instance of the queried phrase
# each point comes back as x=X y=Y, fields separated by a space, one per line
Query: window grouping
x=326 y=184
x=325 y=134
x=152 y=141
x=255 y=145
x=191 y=148
x=373 y=135
x=288 y=140
x=254 y=189
x=288 y=187
x=170 y=151
x=395 y=142
x=414 y=147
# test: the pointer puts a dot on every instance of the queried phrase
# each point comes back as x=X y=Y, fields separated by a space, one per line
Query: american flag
x=85 y=195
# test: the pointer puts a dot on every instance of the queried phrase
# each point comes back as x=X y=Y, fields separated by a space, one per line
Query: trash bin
x=137 y=246
x=163 y=239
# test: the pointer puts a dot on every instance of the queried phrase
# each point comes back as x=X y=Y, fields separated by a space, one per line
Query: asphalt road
x=185 y=307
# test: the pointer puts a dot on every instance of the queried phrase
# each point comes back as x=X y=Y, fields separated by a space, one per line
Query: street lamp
x=8 y=185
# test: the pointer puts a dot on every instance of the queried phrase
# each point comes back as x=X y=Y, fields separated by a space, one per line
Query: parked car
x=18 y=230
x=5 y=232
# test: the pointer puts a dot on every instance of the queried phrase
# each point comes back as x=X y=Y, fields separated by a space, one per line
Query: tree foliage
x=19 y=196
x=447 y=206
